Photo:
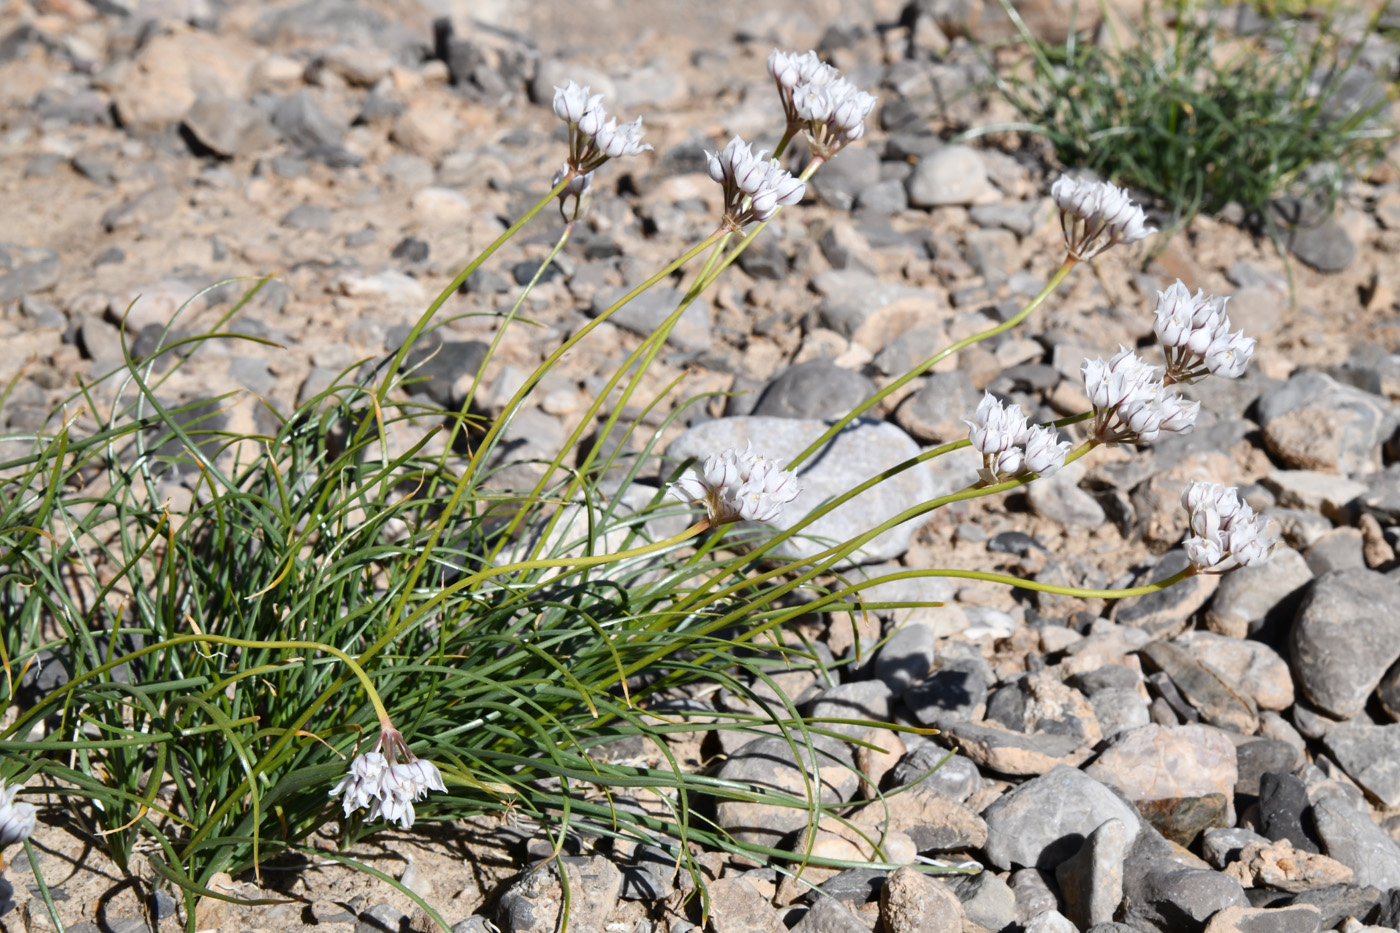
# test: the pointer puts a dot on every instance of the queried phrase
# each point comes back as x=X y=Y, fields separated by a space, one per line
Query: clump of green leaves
x=1199 y=118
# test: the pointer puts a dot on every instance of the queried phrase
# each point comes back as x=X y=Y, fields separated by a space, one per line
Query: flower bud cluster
x=755 y=186
x=1010 y=446
x=1094 y=215
x=386 y=785
x=816 y=98
x=1131 y=405
x=16 y=819
x=1224 y=527
x=737 y=485
x=1195 y=335
x=593 y=137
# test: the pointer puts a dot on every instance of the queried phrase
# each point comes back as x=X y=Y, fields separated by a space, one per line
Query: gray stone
x=307 y=217
x=814 y=389
x=645 y=314
x=1118 y=709
x=434 y=368
x=1014 y=217
x=30 y=278
x=1219 y=700
x=382 y=918
x=1283 y=803
x=1166 y=611
x=1046 y=819
x=934 y=414
x=1036 y=892
x=950 y=775
x=1222 y=845
x=1262 y=598
x=1092 y=880
x=1050 y=921
x=986 y=899
x=849 y=296
x=911 y=348
x=1059 y=498
x=1257 y=756
x=859 y=452
x=1370 y=755
x=1297 y=918
x=1326 y=247
x=1325 y=493
x=305 y=125
x=770 y=763
x=1349 y=836
x=1338 y=902
x=906 y=658
x=955 y=692
x=228 y=127
x=840 y=179
x=882 y=198
x=828 y=915
x=951 y=175
x=1314 y=422
x=1162 y=895
x=1346 y=635
x=1338 y=549
x=867 y=700
x=155 y=204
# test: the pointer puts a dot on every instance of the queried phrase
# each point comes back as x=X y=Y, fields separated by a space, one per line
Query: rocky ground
x=1220 y=756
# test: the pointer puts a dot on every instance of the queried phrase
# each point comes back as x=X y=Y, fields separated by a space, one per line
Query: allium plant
x=225 y=659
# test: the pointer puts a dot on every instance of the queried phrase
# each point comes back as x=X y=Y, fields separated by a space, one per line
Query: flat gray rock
x=1265 y=596
x=644 y=315
x=1163 y=895
x=1345 y=637
x=1314 y=422
x=1350 y=837
x=861 y=451
x=1045 y=820
x=1092 y=880
x=769 y=763
x=1370 y=755
x=814 y=389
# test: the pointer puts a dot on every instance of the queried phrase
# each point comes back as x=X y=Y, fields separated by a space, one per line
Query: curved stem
x=461 y=277
x=507 y=321
x=841 y=423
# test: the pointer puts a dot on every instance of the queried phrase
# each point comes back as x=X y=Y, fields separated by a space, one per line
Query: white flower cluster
x=1195 y=335
x=593 y=138
x=737 y=485
x=1010 y=446
x=1224 y=527
x=755 y=186
x=1131 y=405
x=1094 y=215
x=16 y=819
x=817 y=98
x=387 y=786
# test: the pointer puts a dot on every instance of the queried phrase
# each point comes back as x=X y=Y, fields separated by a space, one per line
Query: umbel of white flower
x=1130 y=404
x=755 y=186
x=1224 y=528
x=16 y=819
x=1094 y=215
x=738 y=485
x=816 y=98
x=593 y=137
x=1009 y=445
x=387 y=781
x=1195 y=335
